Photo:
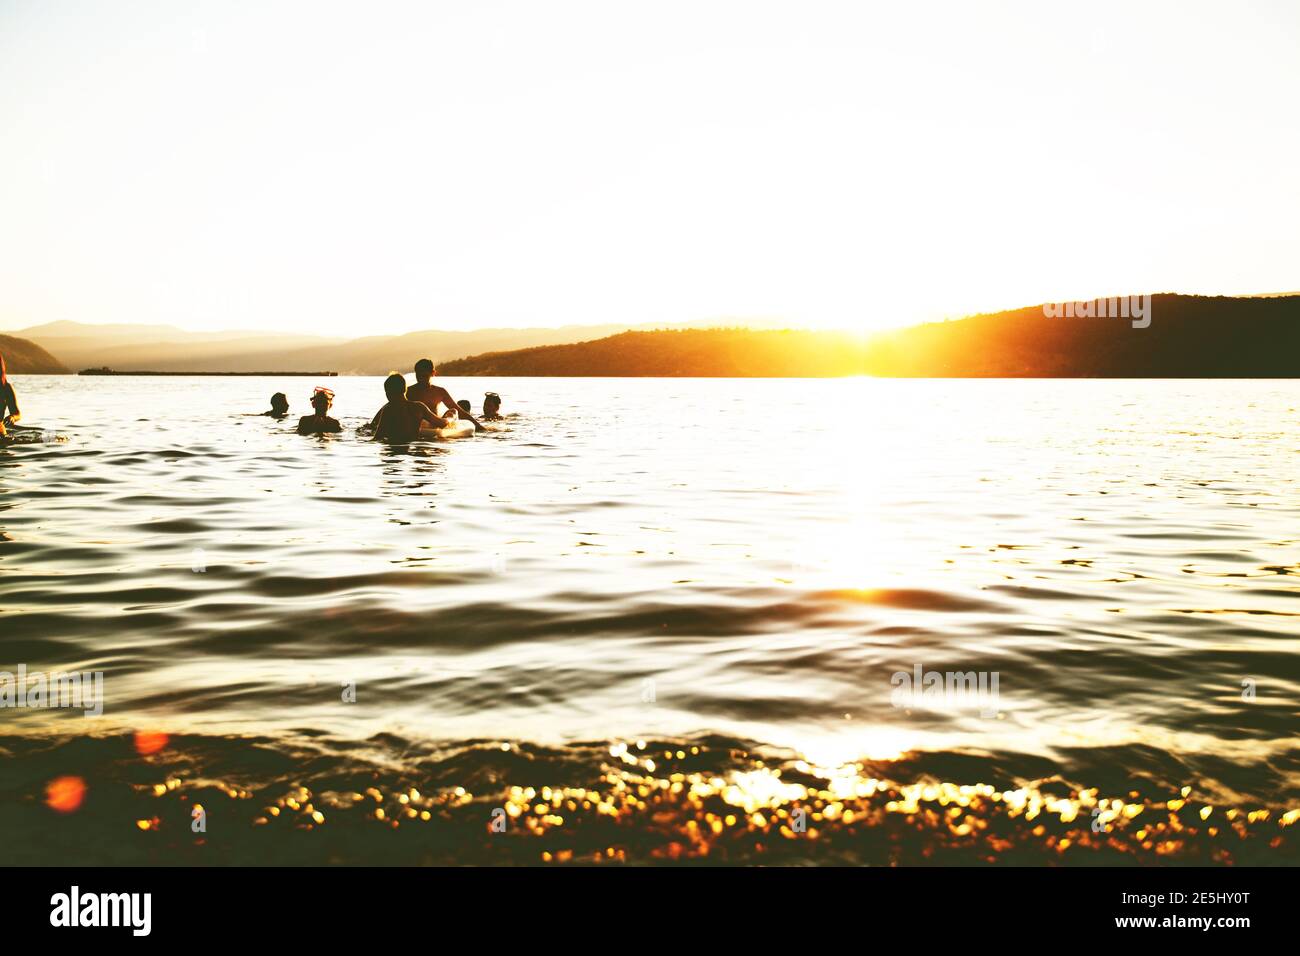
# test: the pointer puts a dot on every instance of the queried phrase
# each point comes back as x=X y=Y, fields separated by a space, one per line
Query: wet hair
x=424 y=364
x=395 y=386
x=491 y=398
x=321 y=402
x=464 y=404
x=279 y=402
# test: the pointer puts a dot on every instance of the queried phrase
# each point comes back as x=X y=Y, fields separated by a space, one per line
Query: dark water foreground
x=324 y=624
x=131 y=800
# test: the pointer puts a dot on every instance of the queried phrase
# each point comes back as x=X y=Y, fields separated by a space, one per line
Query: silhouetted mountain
x=27 y=358
x=377 y=355
x=1189 y=336
x=707 y=353
x=165 y=348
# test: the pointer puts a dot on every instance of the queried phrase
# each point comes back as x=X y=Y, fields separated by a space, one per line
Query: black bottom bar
x=583 y=904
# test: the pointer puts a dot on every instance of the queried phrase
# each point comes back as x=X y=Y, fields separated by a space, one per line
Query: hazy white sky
x=370 y=167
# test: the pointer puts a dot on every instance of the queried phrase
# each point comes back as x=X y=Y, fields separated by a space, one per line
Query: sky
x=381 y=167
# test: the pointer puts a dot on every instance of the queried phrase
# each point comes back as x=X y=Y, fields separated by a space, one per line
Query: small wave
x=131 y=800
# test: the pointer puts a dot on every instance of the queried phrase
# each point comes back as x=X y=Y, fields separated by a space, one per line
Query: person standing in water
x=425 y=391
x=9 y=413
x=319 y=423
x=399 y=421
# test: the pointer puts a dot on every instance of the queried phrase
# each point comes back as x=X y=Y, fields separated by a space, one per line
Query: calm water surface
x=672 y=586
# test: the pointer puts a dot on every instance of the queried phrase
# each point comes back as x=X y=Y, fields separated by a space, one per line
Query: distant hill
x=376 y=355
x=1189 y=336
x=168 y=349
x=27 y=358
x=131 y=332
x=165 y=347
x=706 y=353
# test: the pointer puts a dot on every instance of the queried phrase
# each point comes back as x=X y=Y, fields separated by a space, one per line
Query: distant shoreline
x=107 y=371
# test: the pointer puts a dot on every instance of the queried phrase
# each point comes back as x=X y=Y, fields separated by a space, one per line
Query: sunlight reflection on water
x=766 y=554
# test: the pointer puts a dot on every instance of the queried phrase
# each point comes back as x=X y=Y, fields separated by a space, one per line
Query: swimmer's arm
x=427 y=414
x=443 y=397
x=460 y=412
x=478 y=425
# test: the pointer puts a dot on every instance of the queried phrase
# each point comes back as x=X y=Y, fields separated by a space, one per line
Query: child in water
x=399 y=421
x=319 y=423
x=492 y=407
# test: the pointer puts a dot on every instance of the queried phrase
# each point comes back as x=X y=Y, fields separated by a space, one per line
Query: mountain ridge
x=170 y=349
x=1189 y=337
x=24 y=357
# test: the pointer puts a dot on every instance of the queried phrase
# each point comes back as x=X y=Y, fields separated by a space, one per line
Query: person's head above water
x=395 y=386
x=320 y=401
x=464 y=404
x=424 y=370
x=279 y=403
x=491 y=403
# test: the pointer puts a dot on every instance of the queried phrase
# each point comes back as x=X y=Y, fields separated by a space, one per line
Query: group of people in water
x=400 y=420
x=407 y=411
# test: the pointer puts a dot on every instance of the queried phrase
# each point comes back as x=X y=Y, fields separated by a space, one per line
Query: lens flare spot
x=64 y=794
x=149 y=743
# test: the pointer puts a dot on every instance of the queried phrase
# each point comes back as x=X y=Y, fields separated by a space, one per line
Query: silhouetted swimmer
x=464 y=405
x=9 y=413
x=319 y=423
x=399 y=421
x=279 y=406
x=425 y=391
x=492 y=406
